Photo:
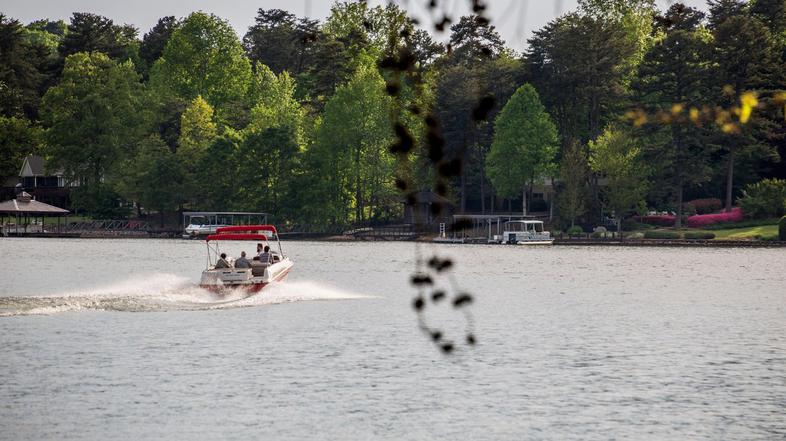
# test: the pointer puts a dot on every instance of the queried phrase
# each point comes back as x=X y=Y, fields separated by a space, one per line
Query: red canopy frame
x=247 y=229
x=230 y=236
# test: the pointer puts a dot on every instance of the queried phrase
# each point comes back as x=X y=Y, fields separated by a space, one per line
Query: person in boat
x=222 y=262
x=242 y=262
x=265 y=257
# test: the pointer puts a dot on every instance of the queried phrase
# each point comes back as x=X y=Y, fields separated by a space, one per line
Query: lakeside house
x=43 y=183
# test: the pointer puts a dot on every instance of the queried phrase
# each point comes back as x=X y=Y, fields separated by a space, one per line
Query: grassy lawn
x=745 y=233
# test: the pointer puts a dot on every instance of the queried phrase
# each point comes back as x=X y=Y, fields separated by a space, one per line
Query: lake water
x=110 y=339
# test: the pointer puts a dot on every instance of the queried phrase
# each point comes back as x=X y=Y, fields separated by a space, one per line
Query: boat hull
x=212 y=280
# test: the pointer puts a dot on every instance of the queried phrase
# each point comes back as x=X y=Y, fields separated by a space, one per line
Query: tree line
x=617 y=105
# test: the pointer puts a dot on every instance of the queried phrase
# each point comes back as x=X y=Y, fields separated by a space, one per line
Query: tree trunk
x=524 y=200
x=482 y=193
x=730 y=178
x=463 y=191
x=678 y=221
x=619 y=227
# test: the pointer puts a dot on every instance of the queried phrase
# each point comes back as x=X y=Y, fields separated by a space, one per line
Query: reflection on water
x=573 y=343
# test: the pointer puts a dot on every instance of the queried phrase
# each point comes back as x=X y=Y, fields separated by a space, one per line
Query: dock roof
x=25 y=204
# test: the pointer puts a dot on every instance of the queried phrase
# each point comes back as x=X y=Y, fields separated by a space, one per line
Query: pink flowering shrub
x=661 y=220
x=700 y=220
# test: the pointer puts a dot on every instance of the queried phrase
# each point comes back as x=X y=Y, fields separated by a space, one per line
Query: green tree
x=154 y=41
x=197 y=132
x=351 y=151
x=616 y=157
x=747 y=60
x=19 y=74
x=95 y=116
x=673 y=78
x=524 y=147
x=95 y=33
x=203 y=57
x=282 y=41
x=573 y=197
x=582 y=66
x=152 y=177
x=270 y=160
x=18 y=138
x=274 y=103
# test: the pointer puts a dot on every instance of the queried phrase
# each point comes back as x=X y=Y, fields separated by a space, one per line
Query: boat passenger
x=222 y=262
x=242 y=262
x=265 y=257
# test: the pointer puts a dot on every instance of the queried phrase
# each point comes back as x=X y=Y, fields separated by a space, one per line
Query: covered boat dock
x=24 y=215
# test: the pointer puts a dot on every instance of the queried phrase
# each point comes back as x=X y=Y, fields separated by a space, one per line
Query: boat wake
x=165 y=292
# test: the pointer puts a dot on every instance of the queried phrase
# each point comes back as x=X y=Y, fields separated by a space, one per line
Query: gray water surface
x=110 y=339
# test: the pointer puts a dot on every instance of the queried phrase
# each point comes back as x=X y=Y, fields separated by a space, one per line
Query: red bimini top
x=247 y=229
x=239 y=236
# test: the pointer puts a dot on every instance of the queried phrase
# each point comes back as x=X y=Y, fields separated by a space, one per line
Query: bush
x=663 y=220
x=766 y=198
x=701 y=220
x=706 y=206
x=695 y=235
x=782 y=229
x=656 y=234
x=688 y=209
x=575 y=231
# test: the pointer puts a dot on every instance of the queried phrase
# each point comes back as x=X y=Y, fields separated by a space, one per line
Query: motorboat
x=225 y=280
x=523 y=232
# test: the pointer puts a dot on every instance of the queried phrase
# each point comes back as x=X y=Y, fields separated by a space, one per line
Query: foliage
x=675 y=72
x=706 y=205
x=18 y=138
x=350 y=150
x=95 y=33
x=616 y=156
x=701 y=220
x=658 y=234
x=524 y=146
x=153 y=177
x=663 y=220
x=274 y=103
x=575 y=230
x=782 y=229
x=698 y=235
x=95 y=115
x=197 y=133
x=19 y=73
x=203 y=57
x=154 y=42
x=574 y=175
x=766 y=198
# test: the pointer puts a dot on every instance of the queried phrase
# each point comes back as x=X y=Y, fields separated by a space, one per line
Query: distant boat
x=251 y=280
x=523 y=232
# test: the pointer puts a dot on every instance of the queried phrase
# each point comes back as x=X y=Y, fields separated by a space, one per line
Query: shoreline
x=675 y=243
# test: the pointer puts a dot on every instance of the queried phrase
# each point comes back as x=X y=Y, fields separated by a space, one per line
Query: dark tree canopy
x=155 y=40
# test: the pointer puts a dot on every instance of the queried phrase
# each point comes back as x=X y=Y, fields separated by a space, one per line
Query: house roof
x=24 y=203
x=35 y=165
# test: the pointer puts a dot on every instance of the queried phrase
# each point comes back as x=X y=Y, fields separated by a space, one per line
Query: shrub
x=688 y=209
x=766 y=198
x=782 y=229
x=699 y=235
x=575 y=231
x=656 y=234
x=700 y=220
x=706 y=206
x=663 y=220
